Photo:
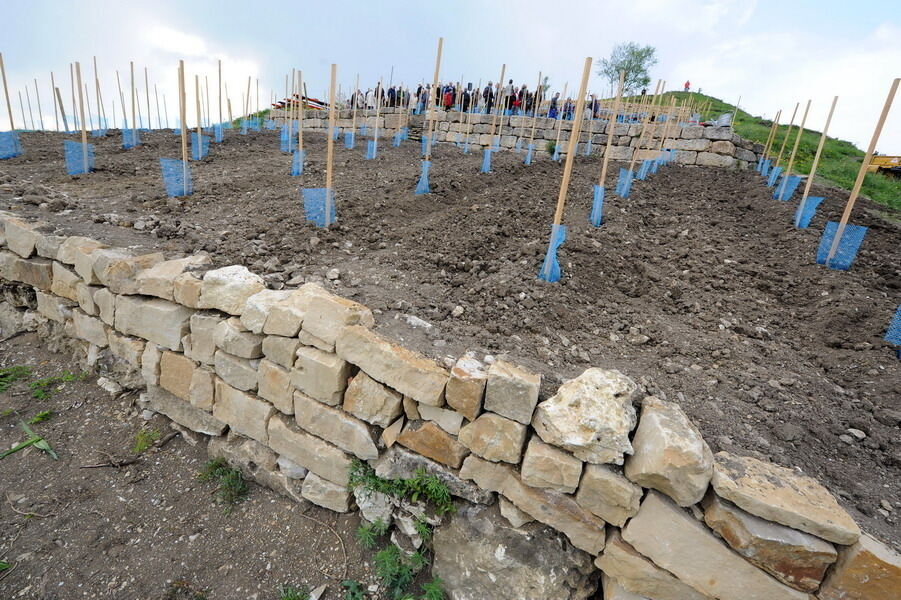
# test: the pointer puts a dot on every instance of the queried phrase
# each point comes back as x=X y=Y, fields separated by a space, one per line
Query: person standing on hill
x=687 y=85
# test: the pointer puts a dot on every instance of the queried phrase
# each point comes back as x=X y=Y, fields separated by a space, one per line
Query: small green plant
x=423 y=530
x=182 y=590
x=44 y=388
x=231 y=485
x=396 y=570
x=420 y=486
x=432 y=590
x=289 y=592
x=10 y=375
x=550 y=146
x=42 y=416
x=144 y=439
x=4 y=566
x=368 y=533
x=354 y=590
x=32 y=440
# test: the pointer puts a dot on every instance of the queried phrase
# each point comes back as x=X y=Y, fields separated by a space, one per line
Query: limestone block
x=153 y=319
x=256 y=311
x=322 y=492
x=75 y=246
x=36 y=272
x=150 y=364
x=244 y=413
x=203 y=329
x=695 y=144
x=693 y=132
x=286 y=317
x=784 y=496
x=118 y=269
x=327 y=315
x=183 y=413
x=449 y=420
x=176 y=372
x=275 y=386
x=236 y=371
x=321 y=375
x=511 y=391
x=21 y=237
x=371 y=401
x=494 y=438
x=105 y=301
x=670 y=455
x=399 y=463
x=868 y=570
x=409 y=373
x=717 y=133
x=544 y=466
x=608 y=494
x=723 y=147
x=685 y=547
x=685 y=157
x=47 y=246
x=335 y=426
x=126 y=348
x=233 y=337
x=227 y=289
x=89 y=328
x=590 y=416
x=202 y=391
x=65 y=282
x=709 y=159
x=186 y=289
x=280 y=350
x=308 y=451
x=426 y=438
x=516 y=517
x=159 y=279
x=466 y=386
x=84 y=261
x=85 y=296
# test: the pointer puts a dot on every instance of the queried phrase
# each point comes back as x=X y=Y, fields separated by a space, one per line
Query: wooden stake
x=87 y=101
x=772 y=136
x=156 y=97
x=122 y=101
x=816 y=157
x=560 y=116
x=353 y=120
x=54 y=96
x=247 y=99
x=9 y=106
x=573 y=141
x=199 y=130
x=791 y=159
x=431 y=101
x=787 y=133
x=74 y=104
x=147 y=95
x=134 y=123
x=644 y=127
x=166 y=111
x=332 y=118
x=537 y=101
x=855 y=191
x=62 y=109
x=182 y=115
x=735 y=112
x=611 y=124
x=30 y=114
x=37 y=95
x=220 y=92
x=300 y=112
x=378 y=107
x=669 y=117
x=84 y=131
x=497 y=103
x=97 y=95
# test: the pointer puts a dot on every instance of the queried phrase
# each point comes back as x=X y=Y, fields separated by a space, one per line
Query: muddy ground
x=150 y=529
x=698 y=285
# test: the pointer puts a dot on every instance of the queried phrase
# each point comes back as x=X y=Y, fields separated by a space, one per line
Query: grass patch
x=421 y=486
x=397 y=570
x=290 y=592
x=231 y=489
x=144 y=439
x=368 y=533
x=353 y=590
x=839 y=163
x=182 y=590
x=10 y=375
x=42 y=416
x=44 y=388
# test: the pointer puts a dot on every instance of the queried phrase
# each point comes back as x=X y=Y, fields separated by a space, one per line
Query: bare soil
x=698 y=285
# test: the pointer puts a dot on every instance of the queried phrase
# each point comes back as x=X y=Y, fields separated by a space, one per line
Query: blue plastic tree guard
x=466 y=146
x=486 y=161
x=349 y=140
x=643 y=170
x=893 y=335
x=588 y=147
x=286 y=141
x=364 y=131
x=655 y=164
x=496 y=143
x=773 y=176
x=596 y=217
x=759 y=166
x=556 y=155
x=424 y=142
x=395 y=140
x=297 y=162
x=518 y=146
x=218 y=133
x=270 y=124
x=10 y=147
x=786 y=188
x=850 y=242
x=624 y=183
x=423 y=186
x=200 y=146
x=131 y=138
x=550 y=268
x=75 y=163
x=319 y=206
x=765 y=167
x=529 y=153
x=176 y=177
x=336 y=133
x=371 y=149
x=100 y=132
x=806 y=211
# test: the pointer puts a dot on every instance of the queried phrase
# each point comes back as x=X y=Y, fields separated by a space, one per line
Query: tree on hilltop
x=635 y=60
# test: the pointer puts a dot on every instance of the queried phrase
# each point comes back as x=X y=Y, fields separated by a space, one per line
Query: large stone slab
x=257 y=308
x=795 y=558
x=326 y=494
x=274 y=385
x=608 y=494
x=281 y=350
x=308 y=451
x=428 y=439
x=227 y=289
x=65 y=282
x=679 y=543
x=233 y=337
x=335 y=426
x=321 y=375
x=375 y=403
x=545 y=466
x=203 y=329
x=238 y=372
x=159 y=279
x=409 y=373
x=584 y=530
x=591 y=416
x=244 y=413
x=176 y=372
x=449 y=420
x=399 y=463
x=784 y=496
x=669 y=454
x=511 y=391
x=53 y=307
x=118 y=269
x=159 y=321
x=183 y=413
x=868 y=570
x=638 y=575
x=327 y=315
x=75 y=245
x=90 y=329
x=286 y=317
x=466 y=386
x=494 y=438
x=21 y=237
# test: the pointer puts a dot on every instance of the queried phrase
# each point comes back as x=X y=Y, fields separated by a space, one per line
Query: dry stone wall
x=293 y=386
x=694 y=145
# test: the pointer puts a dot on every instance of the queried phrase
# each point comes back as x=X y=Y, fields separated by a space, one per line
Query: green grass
x=44 y=388
x=10 y=375
x=839 y=163
x=231 y=485
x=144 y=439
x=421 y=486
x=290 y=592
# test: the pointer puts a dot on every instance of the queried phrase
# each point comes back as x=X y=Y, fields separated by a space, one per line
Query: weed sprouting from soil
x=354 y=590
x=10 y=375
x=232 y=488
x=144 y=439
x=290 y=592
x=421 y=486
x=182 y=590
x=44 y=388
x=368 y=533
x=397 y=570
x=42 y=416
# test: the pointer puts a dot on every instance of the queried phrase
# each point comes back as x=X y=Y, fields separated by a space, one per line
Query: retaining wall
x=293 y=385
x=694 y=145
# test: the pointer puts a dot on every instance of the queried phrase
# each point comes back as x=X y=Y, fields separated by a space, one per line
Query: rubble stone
x=544 y=466
x=511 y=391
x=494 y=438
x=371 y=401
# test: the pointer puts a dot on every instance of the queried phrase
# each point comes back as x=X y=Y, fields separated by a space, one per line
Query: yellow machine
x=885 y=164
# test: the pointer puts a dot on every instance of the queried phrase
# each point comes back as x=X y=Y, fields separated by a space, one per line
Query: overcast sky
x=771 y=53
